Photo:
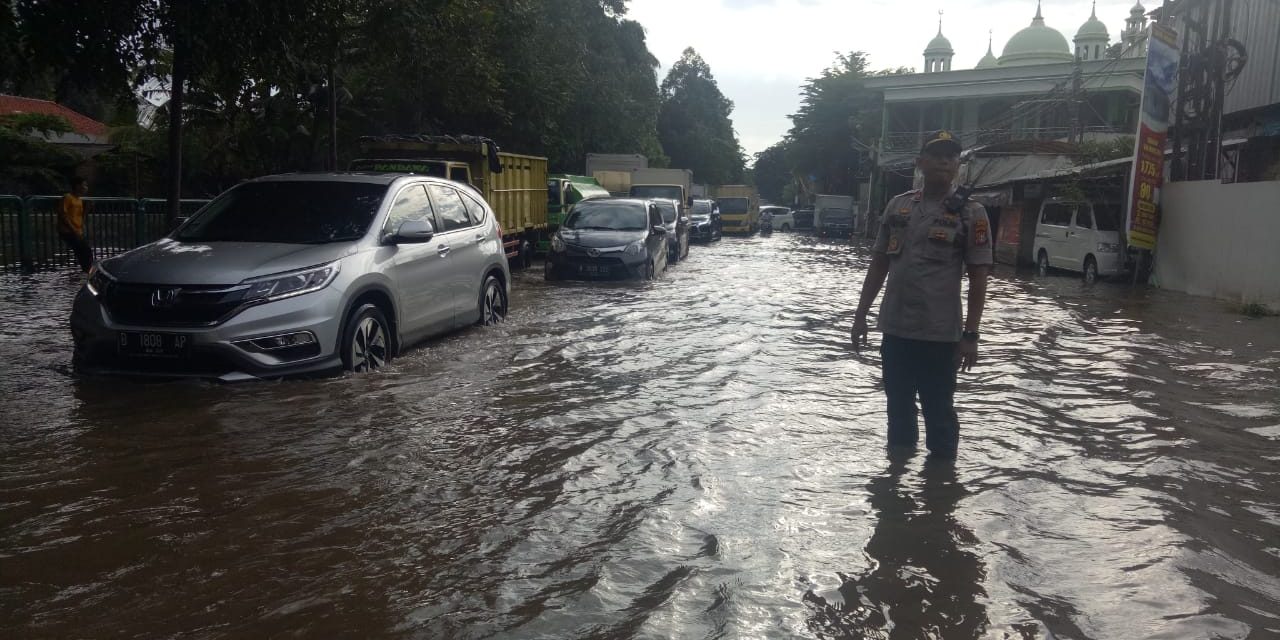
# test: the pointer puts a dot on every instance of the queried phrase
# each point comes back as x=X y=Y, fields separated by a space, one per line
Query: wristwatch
x=971 y=336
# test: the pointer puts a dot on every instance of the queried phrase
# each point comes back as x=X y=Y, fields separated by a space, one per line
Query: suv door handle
x=479 y=237
x=443 y=250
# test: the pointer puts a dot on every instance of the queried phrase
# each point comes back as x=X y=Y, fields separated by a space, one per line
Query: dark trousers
x=84 y=253
x=912 y=367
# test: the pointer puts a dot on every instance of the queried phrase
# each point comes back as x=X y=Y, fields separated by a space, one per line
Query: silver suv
x=297 y=274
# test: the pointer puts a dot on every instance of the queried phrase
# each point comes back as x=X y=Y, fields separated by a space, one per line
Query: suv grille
x=179 y=306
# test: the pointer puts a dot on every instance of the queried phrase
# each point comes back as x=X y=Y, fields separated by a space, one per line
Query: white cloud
x=761 y=51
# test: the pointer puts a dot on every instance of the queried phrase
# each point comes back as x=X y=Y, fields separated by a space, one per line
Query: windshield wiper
x=593 y=228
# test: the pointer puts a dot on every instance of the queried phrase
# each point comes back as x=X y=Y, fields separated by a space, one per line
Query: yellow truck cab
x=514 y=185
x=739 y=208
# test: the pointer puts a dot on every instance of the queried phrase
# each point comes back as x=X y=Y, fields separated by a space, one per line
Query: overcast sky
x=761 y=51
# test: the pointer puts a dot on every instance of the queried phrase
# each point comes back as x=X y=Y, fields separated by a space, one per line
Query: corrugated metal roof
x=1256 y=24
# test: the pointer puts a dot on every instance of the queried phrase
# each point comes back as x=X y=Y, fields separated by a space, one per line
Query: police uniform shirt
x=928 y=248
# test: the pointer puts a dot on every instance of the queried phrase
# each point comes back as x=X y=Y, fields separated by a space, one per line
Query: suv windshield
x=610 y=216
x=293 y=212
x=701 y=207
x=732 y=206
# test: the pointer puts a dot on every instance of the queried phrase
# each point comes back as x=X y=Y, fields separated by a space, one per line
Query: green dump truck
x=564 y=191
x=514 y=185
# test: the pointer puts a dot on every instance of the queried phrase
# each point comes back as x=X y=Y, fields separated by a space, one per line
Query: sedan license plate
x=593 y=269
x=151 y=344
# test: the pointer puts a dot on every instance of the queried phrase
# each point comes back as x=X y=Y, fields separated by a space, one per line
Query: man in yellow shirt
x=71 y=222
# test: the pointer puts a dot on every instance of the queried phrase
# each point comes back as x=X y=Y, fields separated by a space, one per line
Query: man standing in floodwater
x=928 y=239
x=71 y=222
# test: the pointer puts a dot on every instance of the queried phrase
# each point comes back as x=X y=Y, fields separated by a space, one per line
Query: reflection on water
x=925 y=578
x=701 y=456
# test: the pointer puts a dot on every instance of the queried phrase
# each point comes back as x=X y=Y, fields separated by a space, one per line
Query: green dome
x=1036 y=44
x=1093 y=27
x=939 y=43
x=988 y=61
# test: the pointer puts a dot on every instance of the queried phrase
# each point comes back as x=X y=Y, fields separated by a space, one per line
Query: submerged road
x=697 y=457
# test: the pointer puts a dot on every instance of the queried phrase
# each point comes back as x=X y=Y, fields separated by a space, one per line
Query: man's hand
x=966 y=354
x=859 y=333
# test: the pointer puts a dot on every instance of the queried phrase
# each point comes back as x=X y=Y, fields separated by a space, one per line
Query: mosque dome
x=988 y=61
x=1093 y=28
x=1036 y=44
x=939 y=44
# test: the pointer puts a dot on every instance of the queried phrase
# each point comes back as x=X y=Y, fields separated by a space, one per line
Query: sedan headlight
x=635 y=248
x=99 y=280
x=287 y=285
x=557 y=243
x=1108 y=247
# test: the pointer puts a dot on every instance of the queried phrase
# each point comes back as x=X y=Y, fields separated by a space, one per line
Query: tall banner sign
x=1153 y=128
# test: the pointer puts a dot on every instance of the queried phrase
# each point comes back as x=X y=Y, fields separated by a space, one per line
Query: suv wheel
x=366 y=342
x=493 y=302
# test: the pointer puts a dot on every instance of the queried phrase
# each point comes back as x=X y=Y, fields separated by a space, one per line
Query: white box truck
x=834 y=215
x=673 y=184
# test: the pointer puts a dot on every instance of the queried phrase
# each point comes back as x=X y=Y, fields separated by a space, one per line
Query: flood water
x=698 y=457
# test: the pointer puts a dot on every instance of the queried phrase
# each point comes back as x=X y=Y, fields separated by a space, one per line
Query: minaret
x=937 y=56
x=1135 y=32
x=1092 y=39
x=988 y=61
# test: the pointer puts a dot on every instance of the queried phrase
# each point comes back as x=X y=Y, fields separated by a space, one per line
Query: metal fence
x=29 y=228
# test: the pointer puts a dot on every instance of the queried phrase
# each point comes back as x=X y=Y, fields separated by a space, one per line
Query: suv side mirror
x=660 y=230
x=411 y=232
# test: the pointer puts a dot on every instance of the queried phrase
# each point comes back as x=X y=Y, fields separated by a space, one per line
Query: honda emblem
x=161 y=298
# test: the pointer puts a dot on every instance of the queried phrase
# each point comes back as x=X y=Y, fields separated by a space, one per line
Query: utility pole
x=1076 y=133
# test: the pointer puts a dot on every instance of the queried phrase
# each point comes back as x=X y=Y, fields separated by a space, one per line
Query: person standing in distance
x=928 y=238
x=71 y=222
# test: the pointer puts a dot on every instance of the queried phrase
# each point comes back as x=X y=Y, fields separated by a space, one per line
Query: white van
x=1079 y=236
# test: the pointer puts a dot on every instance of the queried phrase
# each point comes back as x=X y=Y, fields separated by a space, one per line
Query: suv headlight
x=287 y=285
x=557 y=243
x=1108 y=247
x=635 y=248
x=98 y=280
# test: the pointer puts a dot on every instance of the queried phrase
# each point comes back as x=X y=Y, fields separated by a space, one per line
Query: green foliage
x=547 y=77
x=32 y=165
x=1257 y=310
x=694 y=124
x=833 y=129
x=1092 y=151
x=772 y=173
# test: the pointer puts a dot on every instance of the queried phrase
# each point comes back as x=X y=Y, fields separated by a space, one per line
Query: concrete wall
x=1221 y=240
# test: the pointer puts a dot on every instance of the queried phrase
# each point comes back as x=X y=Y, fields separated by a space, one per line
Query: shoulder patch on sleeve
x=981 y=231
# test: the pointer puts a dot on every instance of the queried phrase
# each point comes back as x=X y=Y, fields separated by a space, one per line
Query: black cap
x=942 y=140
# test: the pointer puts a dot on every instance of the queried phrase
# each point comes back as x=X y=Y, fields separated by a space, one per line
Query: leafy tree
x=833 y=129
x=694 y=124
x=772 y=172
x=264 y=87
x=31 y=163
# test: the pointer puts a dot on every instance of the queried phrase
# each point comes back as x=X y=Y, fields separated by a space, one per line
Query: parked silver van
x=1080 y=236
x=296 y=274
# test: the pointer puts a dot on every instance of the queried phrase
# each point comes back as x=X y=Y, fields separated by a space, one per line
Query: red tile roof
x=79 y=122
